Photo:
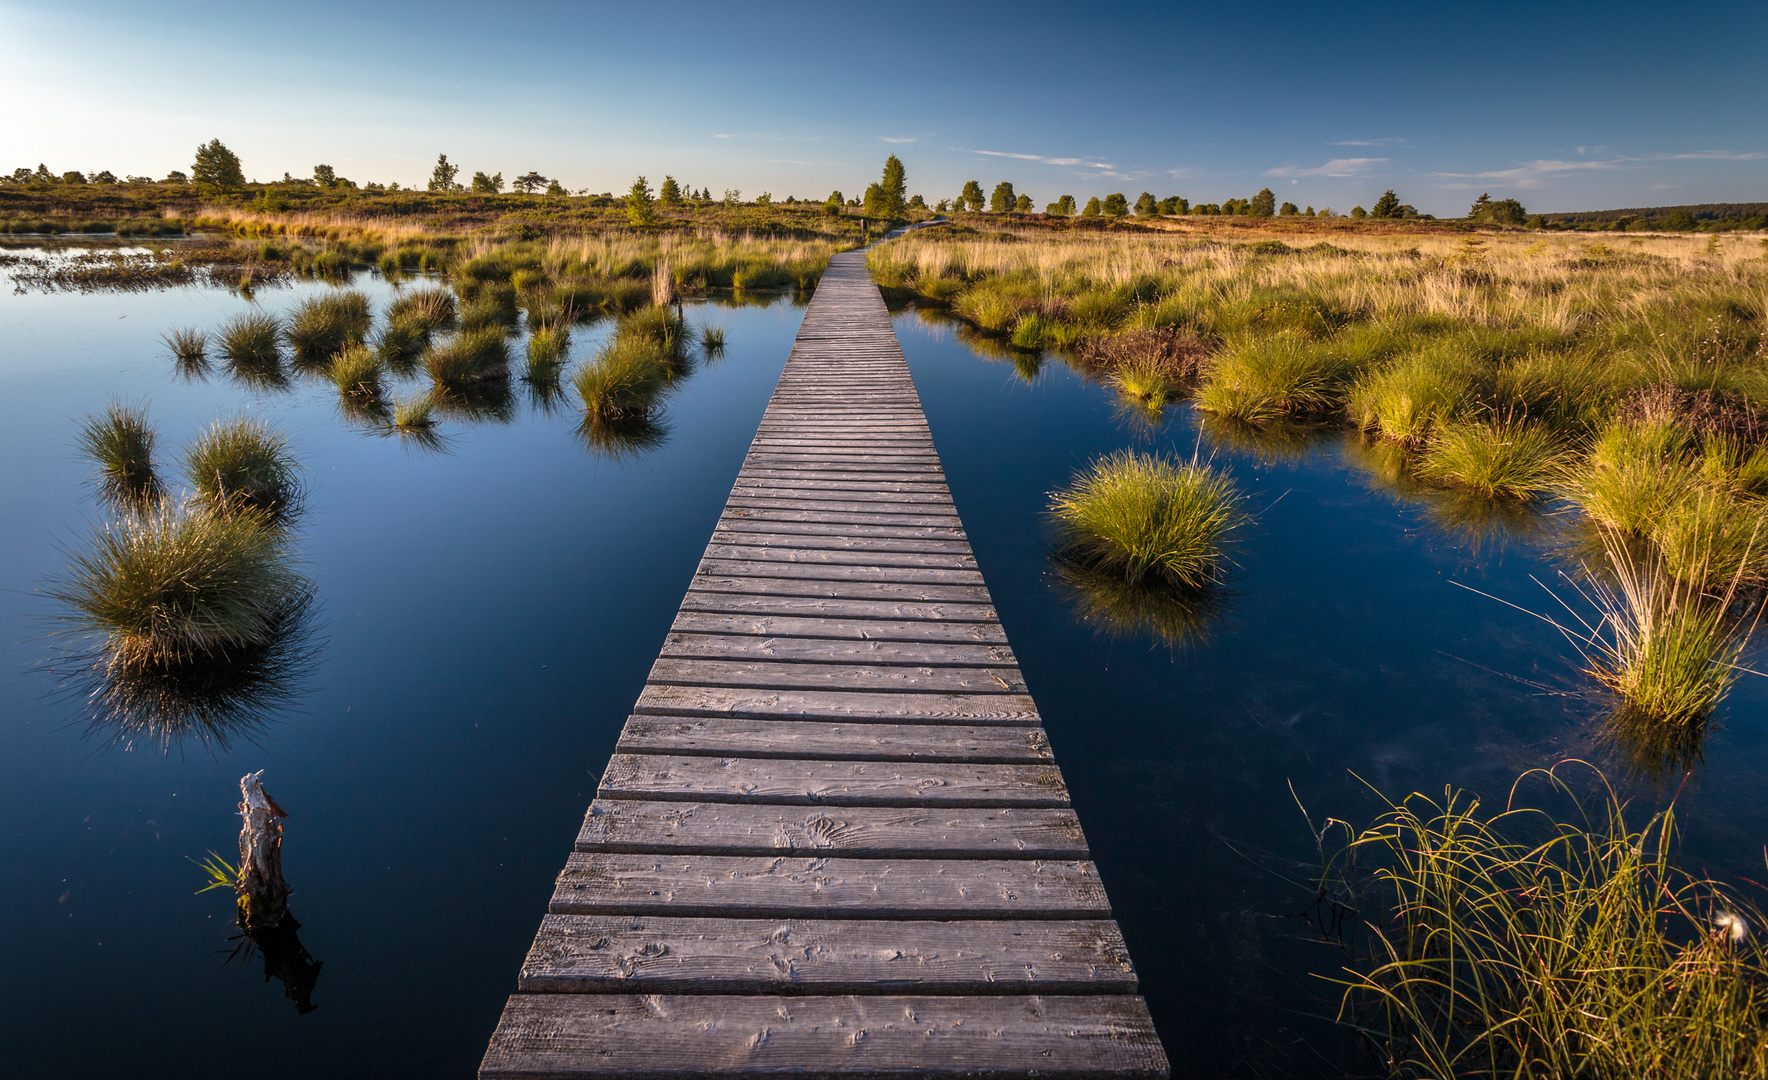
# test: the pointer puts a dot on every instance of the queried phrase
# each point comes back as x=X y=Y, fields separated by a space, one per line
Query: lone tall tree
x=1003 y=200
x=972 y=198
x=1388 y=206
x=895 y=186
x=442 y=176
x=641 y=208
x=1264 y=204
x=670 y=193
x=216 y=168
x=1147 y=206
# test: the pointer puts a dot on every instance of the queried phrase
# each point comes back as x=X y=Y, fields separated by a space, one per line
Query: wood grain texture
x=659 y=955
x=762 y=704
x=814 y=740
x=636 y=826
x=775 y=887
x=883 y=678
x=692 y=620
x=853 y=1037
x=800 y=782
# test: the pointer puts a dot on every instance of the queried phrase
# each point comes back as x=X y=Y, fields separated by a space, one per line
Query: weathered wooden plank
x=692 y=621
x=763 y=704
x=807 y=555
x=798 y=782
x=793 y=571
x=833 y=740
x=778 y=887
x=776 y=511
x=877 y=511
x=819 y=607
x=886 y=678
x=825 y=650
x=817 y=532
x=839 y=589
x=638 y=826
x=850 y=1037
x=651 y=954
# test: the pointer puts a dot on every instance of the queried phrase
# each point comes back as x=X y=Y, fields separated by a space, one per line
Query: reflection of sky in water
x=489 y=608
x=1347 y=651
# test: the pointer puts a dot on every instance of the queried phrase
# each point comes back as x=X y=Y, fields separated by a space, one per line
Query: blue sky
x=1563 y=106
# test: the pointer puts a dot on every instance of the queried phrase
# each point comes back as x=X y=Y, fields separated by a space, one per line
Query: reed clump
x=468 y=359
x=180 y=583
x=624 y=381
x=547 y=349
x=245 y=466
x=357 y=371
x=121 y=442
x=1496 y=459
x=664 y=329
x=323 y=326
x=252 y=340
x=431 y=308
x=190 y=346
x=1138 y=515
x=1517 y=944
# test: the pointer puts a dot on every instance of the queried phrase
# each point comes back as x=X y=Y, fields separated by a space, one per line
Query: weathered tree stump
x=263 y=894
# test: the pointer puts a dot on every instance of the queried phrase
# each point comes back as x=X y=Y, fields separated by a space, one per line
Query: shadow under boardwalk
x=832 y=840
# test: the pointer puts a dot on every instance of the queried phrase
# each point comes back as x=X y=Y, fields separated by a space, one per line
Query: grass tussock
x=1495 y=459
x=189 y=346
x=548 y=347
x=624 y=380
x=179 y=583
x=1141 y=515
x=663 y=329
x=252 y=340
x=1254 y=380
x=121 y=442
x=1516 y=944
x=357 y=372
x=468 y=359
x=431 y=308
x=243 y=465
x=323 y=326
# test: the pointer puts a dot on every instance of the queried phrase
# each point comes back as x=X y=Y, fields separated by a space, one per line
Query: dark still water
x=487 y=617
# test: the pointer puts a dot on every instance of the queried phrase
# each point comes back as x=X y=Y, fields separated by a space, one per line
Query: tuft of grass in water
x=190 y=346
x=663 y=328
x=402 y=341
x=1514 y=944
x=244 y=466
x=1147 y=380
x=1030 y=333
x=323 y=326
x=1706 y=538
x=468 y=359
x=1409 y=398
x=357 y=371
x=494 y=306
x=252 y=340
x=1495 y=460
x=547 y=346
x=624 y=380
x=1259 y=379
x=712 y=340
x=415 y=413
x=178 y=583
x=121 y=442
x=1144 y=514
x=433 y=308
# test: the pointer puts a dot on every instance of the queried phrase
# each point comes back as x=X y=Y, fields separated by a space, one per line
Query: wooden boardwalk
x=832 y=840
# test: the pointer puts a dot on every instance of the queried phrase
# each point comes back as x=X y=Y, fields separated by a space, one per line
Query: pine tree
x=1146 y=206
x=895 y=186
x=1003 y=200
x=217 y=168
x=1288 y=209
x=1116 y=205
x=1093 y=209
x=442 y=176
x=1264 y=204
x=1388 y=206
x=875 y=204
x=1023 y=204
x=528 y=183
x=487 y=185
x=641 y=209
x=972 y=197
x=323 y=175
x=1063 y=207
x=832 y=205
x=670 y=193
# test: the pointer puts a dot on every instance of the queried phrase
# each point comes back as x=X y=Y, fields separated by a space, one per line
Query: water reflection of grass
x=1170 y=614
x=622 y=438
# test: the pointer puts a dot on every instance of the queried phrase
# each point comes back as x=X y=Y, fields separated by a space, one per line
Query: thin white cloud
x=1039 y=157
x=1712 y=155
x=1337 y=167
x=1390 y=140
x=1183 y=172
x=1530 y=174
x=887 y=138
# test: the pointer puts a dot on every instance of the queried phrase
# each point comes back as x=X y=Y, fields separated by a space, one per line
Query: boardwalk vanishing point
x=832 y=840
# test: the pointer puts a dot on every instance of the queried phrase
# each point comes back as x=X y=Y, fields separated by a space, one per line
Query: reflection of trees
x=1170 y=614
x=212 y=697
